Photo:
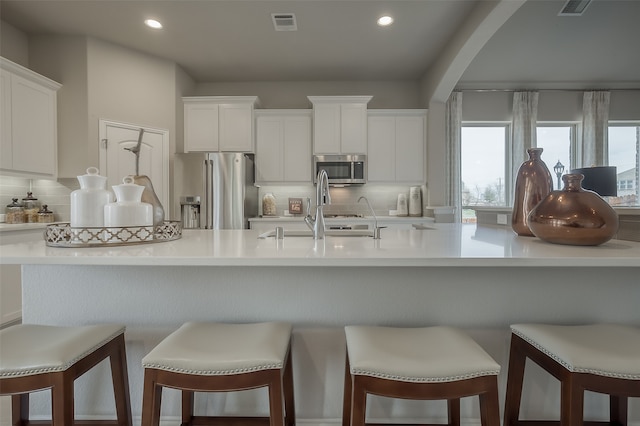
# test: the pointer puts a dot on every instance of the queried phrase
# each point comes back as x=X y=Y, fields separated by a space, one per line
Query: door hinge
x=104 y=143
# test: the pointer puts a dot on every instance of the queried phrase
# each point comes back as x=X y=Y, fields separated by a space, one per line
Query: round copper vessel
x=573 y=216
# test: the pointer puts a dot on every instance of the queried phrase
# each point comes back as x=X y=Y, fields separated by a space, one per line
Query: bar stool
x=604 y=358
x=38 y=357
x=216 y=357
x=418 y=363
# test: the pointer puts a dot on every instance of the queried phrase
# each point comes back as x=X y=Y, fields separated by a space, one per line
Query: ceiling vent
x=284 y=21
x=574 y=7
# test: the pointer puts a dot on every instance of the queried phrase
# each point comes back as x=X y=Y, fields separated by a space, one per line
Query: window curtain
x=523 y=133
x=453 y=118
x=595 y=128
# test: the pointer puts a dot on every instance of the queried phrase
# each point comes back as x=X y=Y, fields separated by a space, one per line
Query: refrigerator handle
x=207 y=165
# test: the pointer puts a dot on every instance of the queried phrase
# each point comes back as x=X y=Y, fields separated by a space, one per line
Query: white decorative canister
x=87 y=203
x=128 y=210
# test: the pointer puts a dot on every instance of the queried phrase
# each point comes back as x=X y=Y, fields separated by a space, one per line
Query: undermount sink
x=327 y=233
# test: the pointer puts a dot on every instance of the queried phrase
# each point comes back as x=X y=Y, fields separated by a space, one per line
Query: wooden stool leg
x=358 y=403
x=453 y=408
x=276 y=400
x=19 y=409
x=62 y=403
x=515 y=379
x=346 y=398
x=187 y=407
x=489 y=405
x=151 y=399
x=289 y=400
x=119 y=376
x=571 y=403
x=618 y=410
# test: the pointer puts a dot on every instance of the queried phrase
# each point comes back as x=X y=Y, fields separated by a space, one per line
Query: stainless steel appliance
x=228 y=194
x=342 y=169
x=190 y=212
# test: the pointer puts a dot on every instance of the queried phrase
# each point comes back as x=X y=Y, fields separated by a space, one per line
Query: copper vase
x=533 y=183
x=574 y=216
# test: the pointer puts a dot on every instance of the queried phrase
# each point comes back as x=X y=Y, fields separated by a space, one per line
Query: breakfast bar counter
x=481 y=279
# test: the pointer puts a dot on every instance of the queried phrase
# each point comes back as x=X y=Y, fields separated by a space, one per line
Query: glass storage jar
x=45 y=215
x=269 y=205
x=14 y=212
x=31 y=207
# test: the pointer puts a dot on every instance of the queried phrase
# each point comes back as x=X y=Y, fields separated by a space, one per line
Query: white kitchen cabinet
x=219 y=123
x=396 y=146
x=283 y=146
x=339 y=124
x=29 y=123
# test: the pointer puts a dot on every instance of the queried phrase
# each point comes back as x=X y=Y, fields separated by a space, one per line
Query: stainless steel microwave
x=342 y=169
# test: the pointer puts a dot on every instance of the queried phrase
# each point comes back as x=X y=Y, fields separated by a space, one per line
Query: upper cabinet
x=397 y=141
x=28 y=111
x=339 y=124
x=283 y=146
x=219 y=123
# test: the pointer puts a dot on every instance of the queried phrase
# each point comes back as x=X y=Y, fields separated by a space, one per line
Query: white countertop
x=445 y=245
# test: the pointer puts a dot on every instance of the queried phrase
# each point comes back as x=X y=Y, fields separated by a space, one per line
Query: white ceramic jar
x=87 y=203
x=128 y=210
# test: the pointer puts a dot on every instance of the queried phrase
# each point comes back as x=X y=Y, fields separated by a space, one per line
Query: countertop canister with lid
x=14 y=212
x=87 y=203
x=128 y=210
x=31 y=207
x=45 y=215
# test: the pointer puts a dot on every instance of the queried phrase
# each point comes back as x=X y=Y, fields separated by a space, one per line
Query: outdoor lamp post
x=559 y=168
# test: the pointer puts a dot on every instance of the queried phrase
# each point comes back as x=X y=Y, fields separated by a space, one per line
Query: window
x=624 y=142
x=483 y=166
x=557 y=142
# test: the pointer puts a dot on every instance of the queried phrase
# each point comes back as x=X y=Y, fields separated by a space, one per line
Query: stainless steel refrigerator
x=225 y=183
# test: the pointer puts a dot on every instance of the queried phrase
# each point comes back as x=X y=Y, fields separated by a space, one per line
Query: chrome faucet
x=376 y=228
x=322 y=197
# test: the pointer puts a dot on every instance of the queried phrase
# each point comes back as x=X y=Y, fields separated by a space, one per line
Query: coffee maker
x=190 y=212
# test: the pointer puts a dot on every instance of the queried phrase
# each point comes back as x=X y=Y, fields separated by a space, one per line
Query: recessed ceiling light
x=152 y=23
x=384 y=21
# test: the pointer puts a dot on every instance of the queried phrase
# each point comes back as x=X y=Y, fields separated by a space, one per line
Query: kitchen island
x=478 y=278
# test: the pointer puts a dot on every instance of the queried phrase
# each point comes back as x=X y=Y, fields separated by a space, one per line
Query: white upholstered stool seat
x=603 y=358
x=417 y=363
x=219 y=357
x=35 y=357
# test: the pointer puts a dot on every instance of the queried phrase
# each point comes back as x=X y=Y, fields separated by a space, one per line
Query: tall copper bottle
x=573 y=216
x=533 y=183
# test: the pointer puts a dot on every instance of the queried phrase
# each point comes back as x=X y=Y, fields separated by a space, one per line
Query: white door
x=117 y=162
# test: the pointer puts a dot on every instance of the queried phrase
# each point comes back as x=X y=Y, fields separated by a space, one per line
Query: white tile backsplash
x=343 y=200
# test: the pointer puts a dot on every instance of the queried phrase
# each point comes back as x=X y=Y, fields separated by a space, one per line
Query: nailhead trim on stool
x=218 y=357
x=603 y=358
x=35 y=357
x=418 y=363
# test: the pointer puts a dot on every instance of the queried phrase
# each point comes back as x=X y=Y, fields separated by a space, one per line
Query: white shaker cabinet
x=339 y=124
x=219 y=123
x=28 y=104
x=396 y=146
x=283 y=146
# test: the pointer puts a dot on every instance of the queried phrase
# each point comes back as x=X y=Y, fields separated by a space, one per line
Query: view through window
x=555 y=141
x=482 y=167
x=624 y=152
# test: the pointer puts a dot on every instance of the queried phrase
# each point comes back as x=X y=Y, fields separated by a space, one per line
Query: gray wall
x=553 y=105
x=280 y=95
x=14 y=44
